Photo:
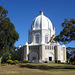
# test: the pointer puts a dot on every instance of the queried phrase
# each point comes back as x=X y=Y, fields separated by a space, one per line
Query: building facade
x=38 y=48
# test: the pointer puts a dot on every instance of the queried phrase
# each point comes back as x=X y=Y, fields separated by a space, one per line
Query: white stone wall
x=46 y=32
x=60 y=53
x=46 y=53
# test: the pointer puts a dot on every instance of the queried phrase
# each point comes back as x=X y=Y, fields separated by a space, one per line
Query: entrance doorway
x=50 y=58
x=33 y=57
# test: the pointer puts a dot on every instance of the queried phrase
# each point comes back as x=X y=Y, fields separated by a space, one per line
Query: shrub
x=55 y=61
x=0 y=62
x=73 y=63
x=16 y=61
x=6 y=56
x=25 y=61
x=13 y=63
x=9 y=61
x=59 y=61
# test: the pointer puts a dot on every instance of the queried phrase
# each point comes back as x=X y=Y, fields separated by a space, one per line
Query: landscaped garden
x=37 y=69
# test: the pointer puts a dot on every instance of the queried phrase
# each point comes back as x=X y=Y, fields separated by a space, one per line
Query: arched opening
x=33 y=57
x=50 y=57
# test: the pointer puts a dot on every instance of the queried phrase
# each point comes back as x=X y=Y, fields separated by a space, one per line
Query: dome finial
x=41 y=12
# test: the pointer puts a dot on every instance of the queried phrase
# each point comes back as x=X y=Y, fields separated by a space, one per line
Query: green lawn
x=38 y=69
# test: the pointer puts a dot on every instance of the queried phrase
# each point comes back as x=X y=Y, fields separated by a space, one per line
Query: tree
x=68 y=33
x=6 y=56
x=14 y=55
x=8 y=34
x=68 y=55
x=71 y=51
x=1 y=12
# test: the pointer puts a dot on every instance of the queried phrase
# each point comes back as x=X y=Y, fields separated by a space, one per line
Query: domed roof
x=41 y=22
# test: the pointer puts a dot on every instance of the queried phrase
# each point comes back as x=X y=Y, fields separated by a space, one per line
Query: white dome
x=41 y=22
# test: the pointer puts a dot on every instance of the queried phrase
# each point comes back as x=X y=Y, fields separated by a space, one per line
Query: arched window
x=37 y=38
x=46 y=38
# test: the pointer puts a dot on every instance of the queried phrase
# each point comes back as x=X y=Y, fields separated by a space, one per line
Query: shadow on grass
x=45 y=67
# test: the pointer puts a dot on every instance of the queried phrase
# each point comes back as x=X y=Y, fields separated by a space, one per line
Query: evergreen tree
x=8 y=34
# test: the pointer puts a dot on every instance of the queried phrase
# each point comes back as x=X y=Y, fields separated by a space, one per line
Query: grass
x=49 y=66
x=37 y=69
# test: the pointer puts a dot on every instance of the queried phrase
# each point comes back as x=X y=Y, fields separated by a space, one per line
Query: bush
x=9 y=61
x=13 y=63
x=55 y=61
x=25 y=61
x=6 y=56
x=73 y=63
x=16 y=61
x=59 y=61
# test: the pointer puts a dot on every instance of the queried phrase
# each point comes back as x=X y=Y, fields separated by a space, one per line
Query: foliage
x=68 y=55
x=8 y=34
x=52 y=39
x=14 y=55
x=58 y=61
x=6 y=56
x=9 y=61
x=3 y=13
x=68 y=33
x=71 y=54
x=71 y=50
x=25 y=61
x=12 y=62
x=72 y=60
x=16 y=61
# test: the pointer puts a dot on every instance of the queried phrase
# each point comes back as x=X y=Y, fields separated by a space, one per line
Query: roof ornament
x=41 y=12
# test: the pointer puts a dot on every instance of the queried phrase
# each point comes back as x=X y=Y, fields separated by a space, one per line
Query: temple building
x=38 y=48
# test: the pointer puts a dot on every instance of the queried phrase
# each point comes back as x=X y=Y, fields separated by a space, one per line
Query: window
x=52 y=47
x=29 y=48
x=33 y=47
x=46 y=38
x=49 y=47
x=37 y=38
x=45 y=47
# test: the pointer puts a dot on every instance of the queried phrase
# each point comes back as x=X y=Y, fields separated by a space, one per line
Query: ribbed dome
x=41 y=22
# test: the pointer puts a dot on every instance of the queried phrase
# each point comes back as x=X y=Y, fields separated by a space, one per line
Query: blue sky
x=22 y=13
